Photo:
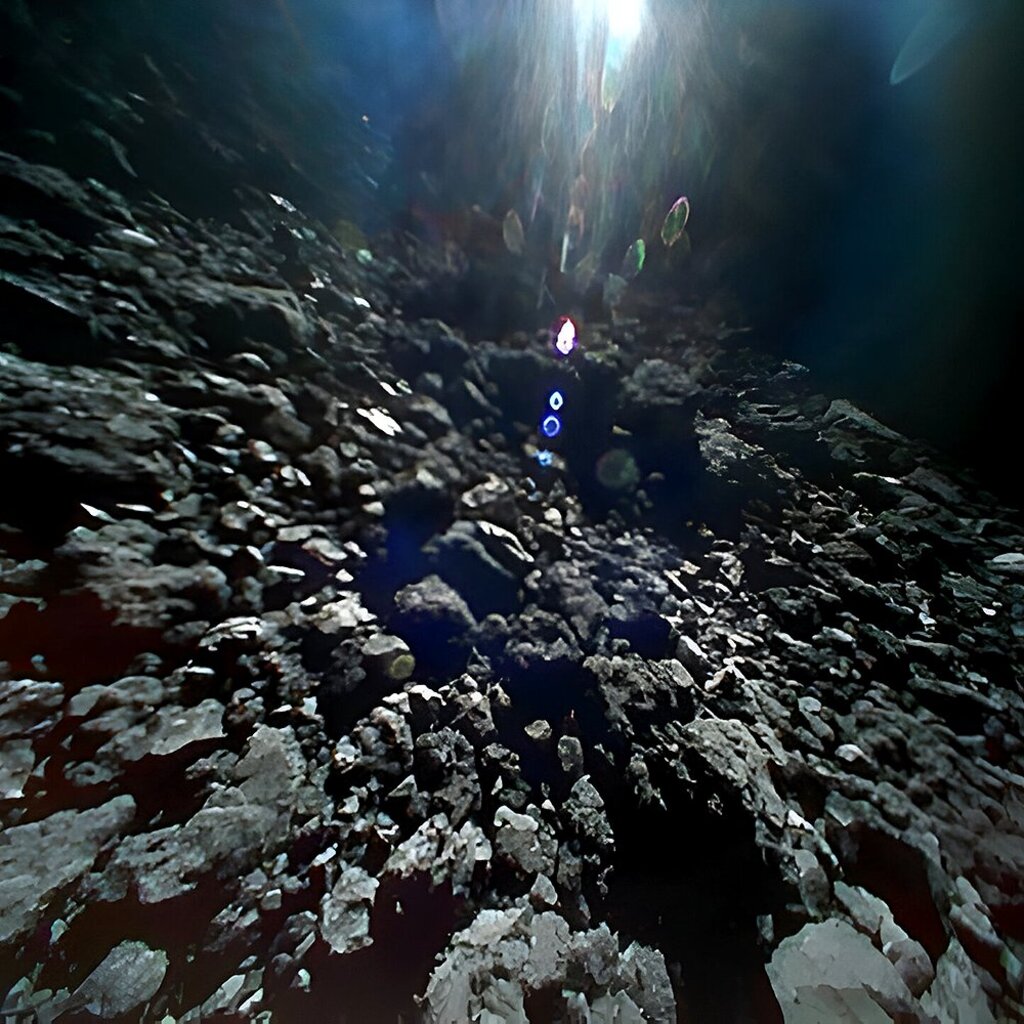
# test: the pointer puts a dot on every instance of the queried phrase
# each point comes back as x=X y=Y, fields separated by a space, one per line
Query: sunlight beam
x=624 y=20
x=624 y=17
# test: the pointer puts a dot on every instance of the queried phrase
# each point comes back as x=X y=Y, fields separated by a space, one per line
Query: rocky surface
x=321 y=696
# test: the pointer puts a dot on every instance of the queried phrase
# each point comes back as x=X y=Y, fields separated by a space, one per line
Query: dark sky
x=919 y=313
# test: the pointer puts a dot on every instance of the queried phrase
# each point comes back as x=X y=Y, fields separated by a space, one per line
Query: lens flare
x=556 y=401
x=617 y=470
x=565 y=337
x=551 y=426
x=605 y=104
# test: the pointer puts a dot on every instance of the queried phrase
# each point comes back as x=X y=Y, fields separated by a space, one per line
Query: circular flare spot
x=617 y=470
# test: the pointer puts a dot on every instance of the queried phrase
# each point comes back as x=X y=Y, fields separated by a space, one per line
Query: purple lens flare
x=565 y=337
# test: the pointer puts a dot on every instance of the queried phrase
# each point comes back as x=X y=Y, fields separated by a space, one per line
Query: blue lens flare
x=551 y=426
x=544 y=457
x=556 y=401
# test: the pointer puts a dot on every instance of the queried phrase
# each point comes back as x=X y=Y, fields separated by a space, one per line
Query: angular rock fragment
x=164 y=732
x=525 y=840
x=236 y=826
x=345 y=911
x=830 y=972
x=481 y=565
x=504 y=956
x=344 y=614
x=26 y=706
x=127 y=977
x=39 y=859
x=432 y=618
x=16 y=763
x=441 y=854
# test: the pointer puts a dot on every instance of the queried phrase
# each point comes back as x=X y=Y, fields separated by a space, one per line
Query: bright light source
x=624 y=18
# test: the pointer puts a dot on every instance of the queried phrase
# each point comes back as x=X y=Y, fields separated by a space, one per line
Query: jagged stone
x=525 y=840
x=345 y=911
x=464 y=558
x=829 y=971
x=39 y=859
x=27 y=706
x=127 y=977
x=441 y=854
x=237 y=826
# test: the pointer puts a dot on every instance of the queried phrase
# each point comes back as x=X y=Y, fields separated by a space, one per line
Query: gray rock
x=342 y=615
x=867 y=910
x=728 y=750
x=525 y=840
x=493 y=499
x=491 y=967
x=16 y=763
x=957 y=994
x=27 y=706
x=830 y=972
x=159 y=734
x=539 y=731
x=127 y=977
x=568 y=588
x=438 y=852
x=570 y=755
x=639 y=693
x=616 y=1009
x=656 y=384
x=434 y=620
x=741 y=466
x=237 y=826
x=585 y=811
x=912 y=963
x=432 y=603
x=389 y=655
x=1009 y=564
x=39 y=859
x=138 y=694
x=643 y=974
x=345 y=911
x=118 y=563
x=476 y=562
x=280 y=424
x=595 y=954
x=446 y=768
x=324 y=468
x=108 y=436
x=543 y=893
